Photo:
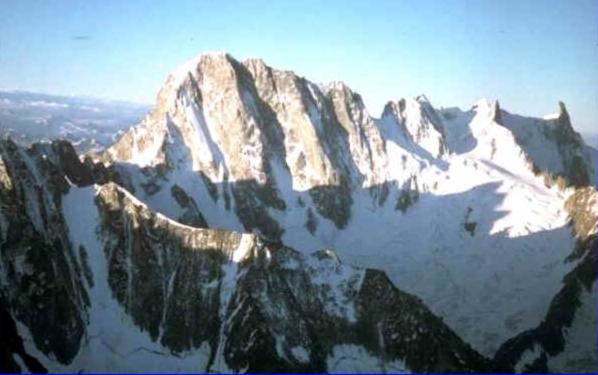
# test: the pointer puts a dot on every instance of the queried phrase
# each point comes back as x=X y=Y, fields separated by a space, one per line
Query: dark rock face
x=311 y=222
x=570 y=146
x=333 y=202
x=192 y=216
x=11 y=345
x=157 y=271
x=400 y=326
x=408 y=196
x=468 y=224
x=496 y=114
x=65 y=158
x=252 y=201
x=45 y=287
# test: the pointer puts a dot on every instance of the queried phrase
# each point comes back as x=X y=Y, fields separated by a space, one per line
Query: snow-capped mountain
x=89 y=124
x=488 y=217
x=268 y=150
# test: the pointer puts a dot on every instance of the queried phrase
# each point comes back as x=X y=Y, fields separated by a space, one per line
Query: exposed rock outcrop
x=40 y=273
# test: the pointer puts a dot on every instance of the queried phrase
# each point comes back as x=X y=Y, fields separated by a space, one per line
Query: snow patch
x=354 y=359
x=300 y=354
x=527 y=358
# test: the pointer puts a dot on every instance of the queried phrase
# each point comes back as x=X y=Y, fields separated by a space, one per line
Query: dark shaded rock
x=11 y=345
x=408 y=195
x=333 y=202
x=399 y=326
x=311 y=222
x=192 y=216
x=251 y=202
x=47 y=291
x=468 y=224
x=496 y=113
x=470 y=227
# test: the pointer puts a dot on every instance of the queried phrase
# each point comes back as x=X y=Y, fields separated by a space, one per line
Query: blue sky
x=527 y=54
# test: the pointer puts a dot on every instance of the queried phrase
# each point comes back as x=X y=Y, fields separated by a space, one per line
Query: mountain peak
x=422 y=98
x=391 y=108
x=482 y=104
x=191 y=65
x=563 y=115
x=337 y=86
x=562 y=108
x=255 y=61
x=489 y=108
x=496 y=115
x=418 y=122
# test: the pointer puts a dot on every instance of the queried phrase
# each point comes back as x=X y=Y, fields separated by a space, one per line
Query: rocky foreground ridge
x=249 y=303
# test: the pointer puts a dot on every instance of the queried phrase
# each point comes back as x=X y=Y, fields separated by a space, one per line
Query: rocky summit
x=258 y=222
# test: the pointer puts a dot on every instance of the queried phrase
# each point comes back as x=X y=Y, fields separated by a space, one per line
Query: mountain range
x=255 y=221
x=89 y=124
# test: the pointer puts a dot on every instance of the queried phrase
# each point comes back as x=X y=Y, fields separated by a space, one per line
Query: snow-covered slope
x=101 y=283
x=565 y=340
x=458 y=207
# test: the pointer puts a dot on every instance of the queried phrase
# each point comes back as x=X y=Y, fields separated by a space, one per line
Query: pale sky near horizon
x=528 y=54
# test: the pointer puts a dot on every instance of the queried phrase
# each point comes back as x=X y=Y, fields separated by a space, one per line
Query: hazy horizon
x=590 y=136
